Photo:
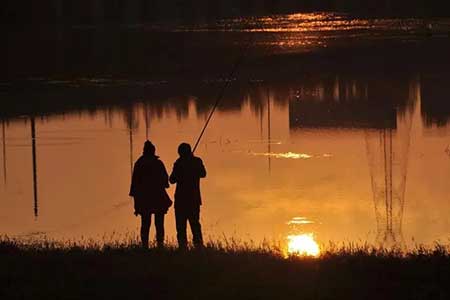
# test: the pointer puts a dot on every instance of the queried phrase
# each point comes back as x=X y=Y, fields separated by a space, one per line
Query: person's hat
x=149 y=147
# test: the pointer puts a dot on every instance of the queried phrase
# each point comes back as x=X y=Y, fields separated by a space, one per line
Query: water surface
x=335 y=123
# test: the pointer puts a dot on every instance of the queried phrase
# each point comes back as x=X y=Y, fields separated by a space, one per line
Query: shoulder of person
x=159 y=161
x=139 y=160
x=198 y=159
x=176 y=163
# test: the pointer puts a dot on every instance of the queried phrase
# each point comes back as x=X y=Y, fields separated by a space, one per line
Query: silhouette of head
x=149 y=148
x=184 y=150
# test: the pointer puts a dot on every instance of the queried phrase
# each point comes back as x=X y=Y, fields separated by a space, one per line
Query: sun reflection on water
x=300 y=239
x=302 y=245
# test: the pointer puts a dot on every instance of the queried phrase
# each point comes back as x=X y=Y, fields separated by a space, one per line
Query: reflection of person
x=148 y=188
x=187 y=171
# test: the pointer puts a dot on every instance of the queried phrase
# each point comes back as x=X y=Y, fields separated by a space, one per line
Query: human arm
x=134 y=176
x=165 y=176
x=202 y=170
x=173 y=176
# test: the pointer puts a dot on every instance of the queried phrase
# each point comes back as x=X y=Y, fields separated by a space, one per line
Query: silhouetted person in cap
x=148 y=188
x=187 y=171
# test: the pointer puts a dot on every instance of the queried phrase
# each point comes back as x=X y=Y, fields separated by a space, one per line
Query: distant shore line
x=138 y=11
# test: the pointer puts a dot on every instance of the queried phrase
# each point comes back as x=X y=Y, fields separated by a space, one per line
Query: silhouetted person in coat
x=148 y=188
x=187 y=171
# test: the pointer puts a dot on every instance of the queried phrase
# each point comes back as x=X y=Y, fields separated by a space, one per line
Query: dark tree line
x=140 y=11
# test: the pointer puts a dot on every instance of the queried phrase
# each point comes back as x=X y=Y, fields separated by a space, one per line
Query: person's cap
x=149 y=147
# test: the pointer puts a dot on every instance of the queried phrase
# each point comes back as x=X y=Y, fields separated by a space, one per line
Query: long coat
x=186 y=173
x=148 y=186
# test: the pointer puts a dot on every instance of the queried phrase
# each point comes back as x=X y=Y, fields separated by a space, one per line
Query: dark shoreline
x=138 y=11
x=46 y=95
x=46 y=271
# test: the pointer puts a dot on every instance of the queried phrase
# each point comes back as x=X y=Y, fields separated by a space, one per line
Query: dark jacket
x=148 y=185
x=186 y=173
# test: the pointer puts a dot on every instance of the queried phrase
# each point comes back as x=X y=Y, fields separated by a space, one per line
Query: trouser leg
x=145 y=228
x=181 y=222
x=196 y=228
x=159 y=224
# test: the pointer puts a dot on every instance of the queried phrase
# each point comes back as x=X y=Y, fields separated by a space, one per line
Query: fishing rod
x=227 y=83
x=219 y=98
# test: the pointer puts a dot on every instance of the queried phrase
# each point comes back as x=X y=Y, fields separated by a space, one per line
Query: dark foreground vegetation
x=124 y=271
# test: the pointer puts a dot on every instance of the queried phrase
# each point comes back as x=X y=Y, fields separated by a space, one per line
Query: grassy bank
x=46 y=270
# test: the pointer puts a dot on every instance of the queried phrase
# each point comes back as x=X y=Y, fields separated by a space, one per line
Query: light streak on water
x=291 y=155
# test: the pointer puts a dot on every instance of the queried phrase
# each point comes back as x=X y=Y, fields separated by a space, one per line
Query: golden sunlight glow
x=299 y=221
x=291 y=155
x=285 y=155
x=302 y=245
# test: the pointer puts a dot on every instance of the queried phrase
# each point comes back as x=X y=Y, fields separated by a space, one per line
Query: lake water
x=332 y=125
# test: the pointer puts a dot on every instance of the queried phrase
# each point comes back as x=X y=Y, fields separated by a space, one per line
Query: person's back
x=148 y=188
x=187 y=171
x=149 y=179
